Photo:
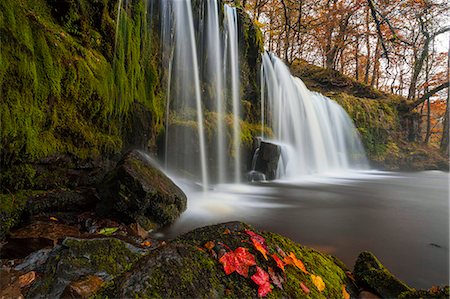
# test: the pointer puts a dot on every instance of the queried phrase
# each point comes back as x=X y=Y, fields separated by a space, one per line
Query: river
x=403 y=218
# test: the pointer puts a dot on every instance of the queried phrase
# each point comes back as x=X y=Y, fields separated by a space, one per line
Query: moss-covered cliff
x=379 y=118
x=65 y=89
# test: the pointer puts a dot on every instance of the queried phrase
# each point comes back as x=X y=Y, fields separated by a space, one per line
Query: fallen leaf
x=345 y=294
x=239 y=260
x=54 y=218
x=26 y=279
x=281 y=252
x=276 y=279
x=279 y=262
x=254 y=235
x=261 y=278
x=304 y=288
x=228 y=260
x=258 y=246
x=226 y=231
x=318 y=282
x=146 y=243
x=291 y=259
x=107 y=231
x=209 y=245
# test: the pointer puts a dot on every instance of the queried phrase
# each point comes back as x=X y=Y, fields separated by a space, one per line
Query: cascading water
x=217 y=73
x=185 y=91
x=232 y=40
x=315 y=133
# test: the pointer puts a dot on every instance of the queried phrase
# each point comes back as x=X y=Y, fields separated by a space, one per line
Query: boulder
x=71 y=265
x=190 y=267
x=370 y=273
x=267 y=159
x=137 y=191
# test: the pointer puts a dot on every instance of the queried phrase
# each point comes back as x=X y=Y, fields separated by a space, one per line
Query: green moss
x=62 y=89
x=12 y=207
x=369 y=272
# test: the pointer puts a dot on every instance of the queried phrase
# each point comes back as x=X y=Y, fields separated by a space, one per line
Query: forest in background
x=398 y=47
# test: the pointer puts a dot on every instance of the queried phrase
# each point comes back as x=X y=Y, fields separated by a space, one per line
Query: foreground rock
x=137 y=191
x=82 y=266
x=369 y=272
x=189 y=267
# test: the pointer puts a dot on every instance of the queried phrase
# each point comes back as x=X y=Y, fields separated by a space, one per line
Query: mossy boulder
x=13 y=207
x=137 y=191
x=370 y=273
x=186 y=268
x=78 y=258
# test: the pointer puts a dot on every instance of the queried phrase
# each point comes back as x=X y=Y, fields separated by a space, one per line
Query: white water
x=315 y=133
x=214 y=45
x=184 y=89
x=232 y=39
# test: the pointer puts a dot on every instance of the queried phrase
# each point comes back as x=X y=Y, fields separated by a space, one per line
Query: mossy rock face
x=13 y=207
x=434 y=292
x=77 y=258
x=137 y=189
x=185 y=268
x=369 y=272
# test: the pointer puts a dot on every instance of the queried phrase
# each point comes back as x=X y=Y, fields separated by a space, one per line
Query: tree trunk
x=366 y=75
x=444 y=139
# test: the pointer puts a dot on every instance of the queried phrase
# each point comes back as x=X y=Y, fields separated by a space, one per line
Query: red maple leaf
x=279 y=262
x=255 y=236
x=261 y=278
x=238 y=260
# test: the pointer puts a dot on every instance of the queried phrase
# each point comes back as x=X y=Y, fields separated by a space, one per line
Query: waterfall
x=214 y=45
x=232 y=40
x=203 y=82
x=315 y=133
x=184 y=92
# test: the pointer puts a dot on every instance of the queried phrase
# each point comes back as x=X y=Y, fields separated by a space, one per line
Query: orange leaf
x=258 y=246
x=209 y=245
x=146 y=243
x=318 y=282
x=345 y=294
x=291 y=259
x=26 y=279
x=227 y=231
x=304 y=288
x=279 y=262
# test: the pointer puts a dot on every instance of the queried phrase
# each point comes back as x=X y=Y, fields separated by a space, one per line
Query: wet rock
x=368 y=295
x=433 y=292
x=83 y=288
x=62 y=200
x=34 y=237
x=267 y=159
x=136 y=189
x=77 y=259
x=34 y=260
x=370 y=273
x=255 y=176
x=188 y=267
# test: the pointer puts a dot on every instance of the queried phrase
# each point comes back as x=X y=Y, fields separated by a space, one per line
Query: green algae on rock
x=76 y=258
x=136 y=189
x=184 y=268
x=369 y=272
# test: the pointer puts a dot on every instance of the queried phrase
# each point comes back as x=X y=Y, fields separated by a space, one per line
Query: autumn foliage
x=256 y=258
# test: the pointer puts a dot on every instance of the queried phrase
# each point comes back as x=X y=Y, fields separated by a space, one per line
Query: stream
x=403 y=218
